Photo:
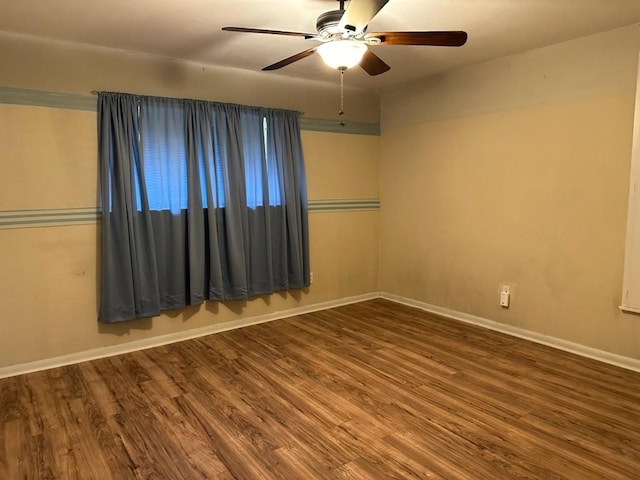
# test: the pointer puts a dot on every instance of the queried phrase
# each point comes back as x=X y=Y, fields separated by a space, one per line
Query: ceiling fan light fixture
x=342 y=54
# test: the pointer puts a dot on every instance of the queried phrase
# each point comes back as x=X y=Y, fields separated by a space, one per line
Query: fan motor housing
x=327 y=23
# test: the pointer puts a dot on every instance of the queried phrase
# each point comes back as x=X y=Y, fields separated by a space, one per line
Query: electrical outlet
x=505 y=295
x=311 y=277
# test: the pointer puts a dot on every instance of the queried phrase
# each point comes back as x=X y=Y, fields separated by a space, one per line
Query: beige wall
x=65 y=67
x=343 y=167
x=511 y=171
x=48 y=276
x=516 y=171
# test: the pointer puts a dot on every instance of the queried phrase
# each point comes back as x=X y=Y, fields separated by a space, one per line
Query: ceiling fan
x=345 y=41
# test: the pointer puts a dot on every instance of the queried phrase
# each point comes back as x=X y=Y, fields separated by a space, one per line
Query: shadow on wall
x=211 y=307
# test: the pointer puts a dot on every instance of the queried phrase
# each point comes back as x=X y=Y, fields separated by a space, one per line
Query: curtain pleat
x=197 y=204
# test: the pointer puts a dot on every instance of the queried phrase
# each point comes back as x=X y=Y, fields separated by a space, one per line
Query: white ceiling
x=190 y=29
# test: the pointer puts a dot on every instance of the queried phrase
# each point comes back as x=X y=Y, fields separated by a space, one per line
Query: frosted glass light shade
x=342 y=53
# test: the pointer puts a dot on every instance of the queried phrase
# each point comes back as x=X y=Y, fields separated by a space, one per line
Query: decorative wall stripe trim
x=343 y=205
x=136 y=345
x=333 y=126
x=74 y=101
x=582 y=350
x=49 y=217
x=13 y=219
x=42 y=98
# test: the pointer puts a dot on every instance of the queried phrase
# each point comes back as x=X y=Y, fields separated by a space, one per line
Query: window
x=164 y=159
x=200 y=201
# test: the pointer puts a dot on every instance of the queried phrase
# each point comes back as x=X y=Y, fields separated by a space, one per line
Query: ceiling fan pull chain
x=341 y=111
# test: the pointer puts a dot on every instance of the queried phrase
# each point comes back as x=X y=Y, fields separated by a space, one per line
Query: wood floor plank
x=372 y=437
x=226 y=441
x=12 y=436
x=374 y=390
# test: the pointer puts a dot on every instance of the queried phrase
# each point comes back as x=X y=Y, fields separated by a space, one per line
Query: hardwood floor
x=367 y=391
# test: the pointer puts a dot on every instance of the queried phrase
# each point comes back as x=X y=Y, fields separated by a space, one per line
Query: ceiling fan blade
x=359 y=13
x=372 y=64
x=269 y=32
x=290 y=60
x=438 y=39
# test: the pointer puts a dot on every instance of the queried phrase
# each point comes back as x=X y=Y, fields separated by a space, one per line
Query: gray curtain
x=200 y=201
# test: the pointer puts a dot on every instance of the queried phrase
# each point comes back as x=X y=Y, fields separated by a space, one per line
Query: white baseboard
x=103 y=352
x=96 y=353
x=582 y=350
